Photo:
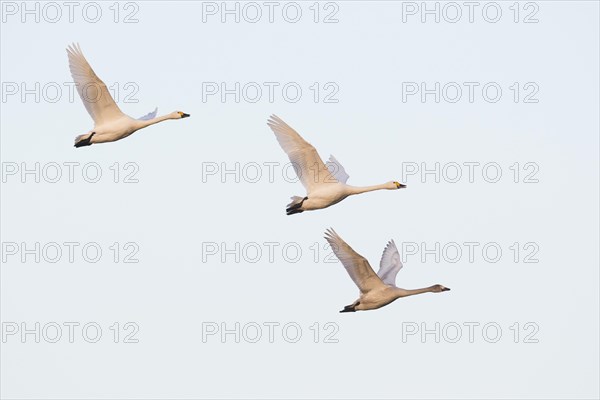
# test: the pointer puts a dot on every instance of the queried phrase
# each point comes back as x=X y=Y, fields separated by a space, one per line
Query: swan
x=376 y=290
x=110 y=124
x=324 y=187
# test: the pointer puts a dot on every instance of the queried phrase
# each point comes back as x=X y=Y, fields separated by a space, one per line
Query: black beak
x=184 y=115
x=445 y=289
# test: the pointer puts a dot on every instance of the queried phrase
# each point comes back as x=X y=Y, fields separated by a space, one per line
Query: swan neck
x=412 y=292
x=153 y=121
x=364 y=189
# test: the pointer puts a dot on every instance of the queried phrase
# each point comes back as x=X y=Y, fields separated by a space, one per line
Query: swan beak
x=400 y=186
x=184 y=115
x=445 y=289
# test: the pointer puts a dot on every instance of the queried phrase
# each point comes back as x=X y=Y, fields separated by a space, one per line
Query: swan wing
x=309 y=167
x=390 y=264
x=93 y=92
x=337 y=170
x=357 y=266
x=150 y=115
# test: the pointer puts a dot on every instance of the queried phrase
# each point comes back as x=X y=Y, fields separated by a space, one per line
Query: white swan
x=376 y=290
x=324 y=187
x=110 y=124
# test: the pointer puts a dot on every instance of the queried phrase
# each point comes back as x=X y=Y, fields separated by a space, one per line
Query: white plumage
x=325 y=184
x=110 y=123
x=375 y=290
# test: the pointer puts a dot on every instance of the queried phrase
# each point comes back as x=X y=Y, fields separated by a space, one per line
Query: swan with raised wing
x=110 y=123
x=324 y=186
x=376 y=290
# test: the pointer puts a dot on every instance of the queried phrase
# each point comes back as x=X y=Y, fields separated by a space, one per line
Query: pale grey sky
x=184 y=206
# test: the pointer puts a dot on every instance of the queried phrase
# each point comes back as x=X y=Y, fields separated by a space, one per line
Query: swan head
x=396 y=185
x=439 y=288
x=180 y=114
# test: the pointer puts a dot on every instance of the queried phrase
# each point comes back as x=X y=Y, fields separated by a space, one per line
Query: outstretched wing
x=93 y=92
x=150 y=115
x=337 y=170
x=309 y=167
x=390 y=264
x=357 y=266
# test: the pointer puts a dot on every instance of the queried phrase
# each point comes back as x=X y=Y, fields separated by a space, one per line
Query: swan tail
x=84 y=140
x=295 y=207
x=350 y=308
x=296 y=202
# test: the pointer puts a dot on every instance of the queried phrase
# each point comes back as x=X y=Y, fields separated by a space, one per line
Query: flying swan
x=376 y=290
x=110 y=124
x=324 y=187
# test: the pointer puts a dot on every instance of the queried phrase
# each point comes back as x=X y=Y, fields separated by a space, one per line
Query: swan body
x=324 y=186
x=110 y=123
x=376 y=290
